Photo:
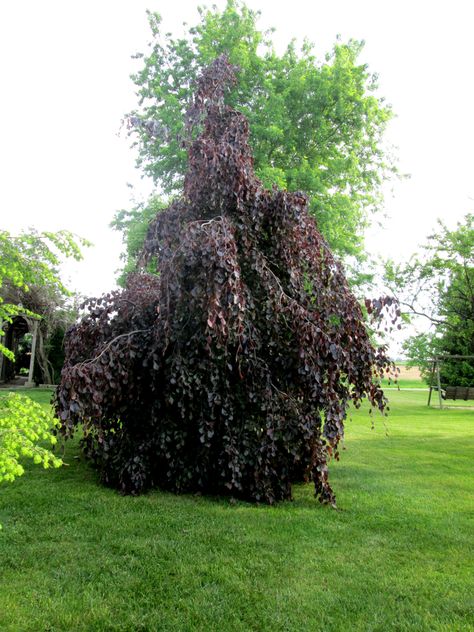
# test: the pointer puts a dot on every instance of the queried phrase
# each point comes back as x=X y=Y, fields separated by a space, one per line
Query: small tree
x=438 y=284
x=232 y=370
x=28 y=260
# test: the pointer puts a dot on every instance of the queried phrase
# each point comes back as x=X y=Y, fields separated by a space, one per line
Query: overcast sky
x=65 y=86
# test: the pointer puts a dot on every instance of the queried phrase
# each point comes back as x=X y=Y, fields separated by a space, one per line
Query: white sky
x=65 y=86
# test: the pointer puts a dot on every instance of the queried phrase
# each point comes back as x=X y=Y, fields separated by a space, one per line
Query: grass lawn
x=409 y=377
x=405 y=383
x=397 y=555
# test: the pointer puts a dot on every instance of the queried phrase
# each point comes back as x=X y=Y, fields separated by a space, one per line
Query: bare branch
x=109 y=344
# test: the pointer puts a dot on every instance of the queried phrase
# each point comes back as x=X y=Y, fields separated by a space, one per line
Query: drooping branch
x=109 y=345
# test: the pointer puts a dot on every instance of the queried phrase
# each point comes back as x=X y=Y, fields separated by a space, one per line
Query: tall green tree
x=315 y=125
x=438 y=284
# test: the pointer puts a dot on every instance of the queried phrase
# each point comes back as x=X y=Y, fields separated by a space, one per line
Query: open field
x=397 y=555
x=409 y=372
x=408 y=377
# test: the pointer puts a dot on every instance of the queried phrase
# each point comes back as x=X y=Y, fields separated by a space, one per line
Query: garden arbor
x=31 y=291
x=13 y=333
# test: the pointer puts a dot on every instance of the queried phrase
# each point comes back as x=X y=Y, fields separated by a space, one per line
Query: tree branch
x=109 y=344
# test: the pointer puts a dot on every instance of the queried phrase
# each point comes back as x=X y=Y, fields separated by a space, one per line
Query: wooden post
x=30 y=383
x=438 y=377
x=431 y=381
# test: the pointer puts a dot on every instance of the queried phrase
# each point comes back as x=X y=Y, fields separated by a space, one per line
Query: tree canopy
x=31 y=260
x=133 y=224
x=316 y=125
x=438 y=284
x=232 y=370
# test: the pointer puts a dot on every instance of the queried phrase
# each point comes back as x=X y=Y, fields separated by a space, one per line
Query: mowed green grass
x=405 y=379
x=404 y=383
x=397 y=555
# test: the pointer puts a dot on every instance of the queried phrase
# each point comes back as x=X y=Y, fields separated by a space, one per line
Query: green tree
x=29 y=260
x=133 y=224
x=315 y=125
x=438 y=284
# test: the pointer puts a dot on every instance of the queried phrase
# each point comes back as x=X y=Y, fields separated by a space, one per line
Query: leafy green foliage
x=232 y=371
x=54 y=346
x=315 y=125
x=134 y=225
x=23 y=424
x=439 y=285
x=30 y=260
x=419 y=352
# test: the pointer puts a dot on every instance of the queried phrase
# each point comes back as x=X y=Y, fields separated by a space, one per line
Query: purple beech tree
x=232 y=370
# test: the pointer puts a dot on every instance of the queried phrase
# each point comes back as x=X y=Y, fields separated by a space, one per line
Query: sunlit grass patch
x=396 y=555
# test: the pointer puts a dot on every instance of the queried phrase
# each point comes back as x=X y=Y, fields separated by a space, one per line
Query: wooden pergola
x=435 y=373
x=32 y=327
